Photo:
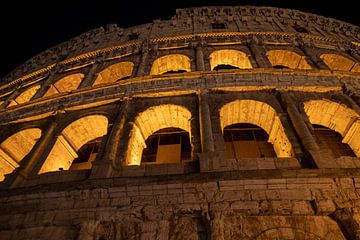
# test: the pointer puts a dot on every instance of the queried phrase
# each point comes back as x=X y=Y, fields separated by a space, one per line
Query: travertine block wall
x=109 y=83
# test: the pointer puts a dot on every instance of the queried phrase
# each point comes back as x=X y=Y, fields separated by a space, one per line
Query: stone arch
x=337 y=117
x=114 y=73
x=65 y=84
x=71 y=139
x=152 y=120
x=25 y=96
x=340 y=63
x=171 y=62
x=262 y=115
x=15 y=148
x=229 y=57
x=288 y=59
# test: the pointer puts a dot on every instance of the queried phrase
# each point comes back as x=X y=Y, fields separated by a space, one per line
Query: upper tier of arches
x=219 y=59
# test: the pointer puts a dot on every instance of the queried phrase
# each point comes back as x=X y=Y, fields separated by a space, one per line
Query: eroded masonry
x=220 y=123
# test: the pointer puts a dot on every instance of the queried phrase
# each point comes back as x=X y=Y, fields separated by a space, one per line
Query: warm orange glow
x=72 y=138
x=229 y=57
x=65 y=84
x=25 y=96
x=340 y=63
x=15 y=148
x=337 y=117
x=115 y=72
x=171 y=62
x=152 y=120
x=262 y=115
x=287 y=59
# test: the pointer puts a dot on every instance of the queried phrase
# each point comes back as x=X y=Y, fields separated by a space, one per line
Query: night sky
x=29 y=27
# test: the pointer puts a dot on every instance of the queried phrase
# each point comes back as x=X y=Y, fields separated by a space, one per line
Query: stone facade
x=292 y=71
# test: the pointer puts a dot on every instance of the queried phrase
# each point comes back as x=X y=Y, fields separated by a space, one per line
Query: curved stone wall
x=205 y=69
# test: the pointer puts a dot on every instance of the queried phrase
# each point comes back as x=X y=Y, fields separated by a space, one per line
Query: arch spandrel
x=65 y=84
x=340 y=63
x=288 y=59
x=152 y=120
x=171 y=62
x=229 y=57
x=71 y=139
x=15 y=148
x=115 y=72
x=262 y=115
x=337 y=117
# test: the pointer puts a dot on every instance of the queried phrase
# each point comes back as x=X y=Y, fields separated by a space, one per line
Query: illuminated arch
x=65 y=84
x=229 y=57
x=337 y=117
x=289 y=59
x=25 y=96
x=262 y=115
x=340 y=63
x=115 y=72
x=152 y=120
x=71 y=139
x=15 y=148
x=171 y=62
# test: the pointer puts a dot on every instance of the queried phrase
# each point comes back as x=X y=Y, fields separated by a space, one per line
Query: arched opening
x=229 y=59
x=337 y=117
x=287 y=59
x=77 y=145
x=167 y=145
x=245 y=140
x=166 y=118
x=115 y=72
x=339 y=63
x=172 y=63
x=65 y=84
x=24 y=96
x=332 y=141
x=259 y=114
x=15 y=148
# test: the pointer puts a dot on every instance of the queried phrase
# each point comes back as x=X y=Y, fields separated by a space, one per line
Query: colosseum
x=219 y=123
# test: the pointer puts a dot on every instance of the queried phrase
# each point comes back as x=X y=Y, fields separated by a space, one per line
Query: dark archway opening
x=224 y=67
x=86 y=154
x=281 y=67
x=243 y=140
x=168 y=145
x=173 y=71
x=332 y=141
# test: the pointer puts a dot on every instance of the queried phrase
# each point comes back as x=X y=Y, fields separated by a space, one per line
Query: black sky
x=29 y=27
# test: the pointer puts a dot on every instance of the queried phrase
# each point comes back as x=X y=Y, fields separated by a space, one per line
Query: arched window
x=340 y=63
x=168 y=145
x=245 y=140
x=337 y=117
x=115 y=72
x=229 y=59
x=287 y=59
x=167 y=117
x=65 y=84
x=259 y=114
x=76 y=146
x=171 y=63
x=25 y=96
x=332 y=141
x=15 y=148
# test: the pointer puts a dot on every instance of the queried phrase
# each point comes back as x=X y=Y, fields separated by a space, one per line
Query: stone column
x=12 y=96
x=312 y=59
x=143 y=61
x=32 y=163
x=348 y=221
x=46 y=84
x=259 y=53
x=91 y=75
x=207 y=141
x=304 y=133
x=200 y=65
x=103 y=166
x=352 y=94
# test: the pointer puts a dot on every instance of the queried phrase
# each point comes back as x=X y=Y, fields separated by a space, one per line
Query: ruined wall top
x=192 y=21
